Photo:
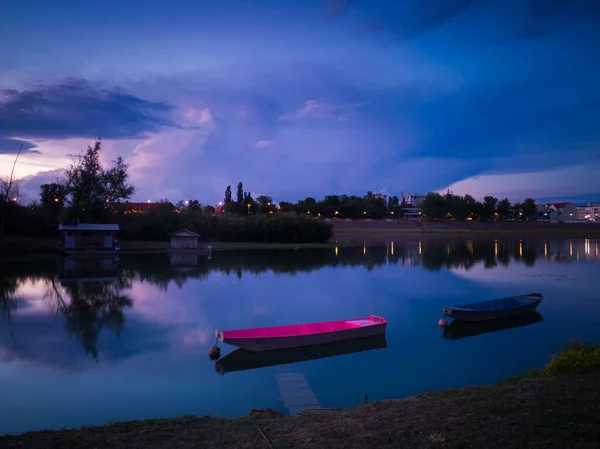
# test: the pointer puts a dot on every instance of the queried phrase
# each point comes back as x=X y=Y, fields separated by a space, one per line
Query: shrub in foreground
x=575 y=358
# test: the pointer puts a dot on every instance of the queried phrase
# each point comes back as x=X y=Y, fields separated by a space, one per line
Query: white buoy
x=442 y=323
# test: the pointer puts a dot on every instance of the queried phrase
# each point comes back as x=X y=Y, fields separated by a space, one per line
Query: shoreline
x=344 y=234
x=535 y=412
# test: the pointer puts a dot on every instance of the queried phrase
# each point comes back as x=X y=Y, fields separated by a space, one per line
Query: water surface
x=88 y=341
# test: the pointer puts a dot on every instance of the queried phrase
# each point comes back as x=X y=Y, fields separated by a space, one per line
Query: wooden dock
x=296 y=393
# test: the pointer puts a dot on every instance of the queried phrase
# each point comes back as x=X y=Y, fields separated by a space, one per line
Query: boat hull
x=297 y=341
x=476 y=315
x=242 y=359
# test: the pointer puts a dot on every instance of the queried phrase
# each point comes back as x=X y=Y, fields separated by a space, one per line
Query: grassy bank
x=554 y=407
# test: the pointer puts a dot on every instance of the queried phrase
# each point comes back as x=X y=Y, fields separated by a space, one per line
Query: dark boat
x=243 y=359
x=495 y=308
x=463 y=329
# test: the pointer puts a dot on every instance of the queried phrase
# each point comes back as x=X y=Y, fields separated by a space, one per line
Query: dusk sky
x=302 y=98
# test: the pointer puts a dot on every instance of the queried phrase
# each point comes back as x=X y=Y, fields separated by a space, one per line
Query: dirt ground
x=547 y=412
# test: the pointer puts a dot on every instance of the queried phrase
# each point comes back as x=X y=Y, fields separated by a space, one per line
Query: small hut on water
x=184 y=239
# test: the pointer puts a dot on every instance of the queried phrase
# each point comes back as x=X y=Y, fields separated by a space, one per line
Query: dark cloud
x=11 y=146
x=78 y=108
x=405 y=19
x=524 y=18
x=540 y=17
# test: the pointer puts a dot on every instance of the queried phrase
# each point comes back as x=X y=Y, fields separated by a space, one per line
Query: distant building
x=557 y=212
x=87 y=236
x=590 y=212
x=412 y=213
x=413 y=199
x=184 y=239
x=380 y=196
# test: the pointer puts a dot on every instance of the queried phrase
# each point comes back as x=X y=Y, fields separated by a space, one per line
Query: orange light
x=56 y=200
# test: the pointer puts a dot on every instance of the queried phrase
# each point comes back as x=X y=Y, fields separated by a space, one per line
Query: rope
x=264 y=436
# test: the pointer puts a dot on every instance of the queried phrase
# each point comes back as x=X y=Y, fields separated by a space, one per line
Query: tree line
x=90 y=192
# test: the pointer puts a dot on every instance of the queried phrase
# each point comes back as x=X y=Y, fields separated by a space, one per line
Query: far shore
x=550 y=411
x=451 y=226
x=345 y=234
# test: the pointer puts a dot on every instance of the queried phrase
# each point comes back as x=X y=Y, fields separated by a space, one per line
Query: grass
x=576 y=357
x=553 y=407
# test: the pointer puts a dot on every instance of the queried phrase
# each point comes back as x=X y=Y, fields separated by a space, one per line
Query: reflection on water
x=131 y=336
x=462 y=329
x=242 y=359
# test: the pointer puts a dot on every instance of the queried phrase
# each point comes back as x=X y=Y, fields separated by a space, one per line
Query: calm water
x=85 y=342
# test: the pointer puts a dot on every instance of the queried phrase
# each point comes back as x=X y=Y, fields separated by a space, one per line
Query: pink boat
x=297 y=335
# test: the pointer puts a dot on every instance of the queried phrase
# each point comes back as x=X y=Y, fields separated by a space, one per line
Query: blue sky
x=308 y=97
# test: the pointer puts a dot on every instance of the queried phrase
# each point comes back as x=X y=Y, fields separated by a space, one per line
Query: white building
x=589 y=212
x=414 y=199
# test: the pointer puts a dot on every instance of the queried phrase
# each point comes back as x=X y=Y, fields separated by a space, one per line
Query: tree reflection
x=9 y=302
x=90 y=293
x=90 y=306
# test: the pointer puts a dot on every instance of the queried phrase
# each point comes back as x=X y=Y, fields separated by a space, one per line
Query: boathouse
x=184 y=239
x=85 y=236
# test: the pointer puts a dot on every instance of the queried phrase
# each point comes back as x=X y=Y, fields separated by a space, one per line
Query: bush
x=575 y=358
x=280 y=228
x=160 y=221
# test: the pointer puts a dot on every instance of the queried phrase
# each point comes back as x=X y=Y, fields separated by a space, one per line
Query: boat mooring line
x=264 y=436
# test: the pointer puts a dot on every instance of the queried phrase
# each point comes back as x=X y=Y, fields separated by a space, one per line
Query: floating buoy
x=214 y=352
x=442 y=323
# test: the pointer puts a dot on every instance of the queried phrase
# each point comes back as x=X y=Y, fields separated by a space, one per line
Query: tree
x=433 y=206
x=9 y=192
x=529 y=208
x=114 y=183
x=516 y=210
x=286 y=206
x=93 y=189
x=265 y=204
x=240 y=193
x=504 y=208
x=489 y=207
x=227 y=195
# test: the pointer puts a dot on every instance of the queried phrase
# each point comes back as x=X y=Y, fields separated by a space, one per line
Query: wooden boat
x=297 y=335
x=495 y=308
x=464 y=329
x=242 y=359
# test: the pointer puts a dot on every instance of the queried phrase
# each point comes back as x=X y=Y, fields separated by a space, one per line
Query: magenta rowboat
x=297 y=335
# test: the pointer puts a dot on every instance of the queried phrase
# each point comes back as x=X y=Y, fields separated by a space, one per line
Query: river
x=88 y=341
